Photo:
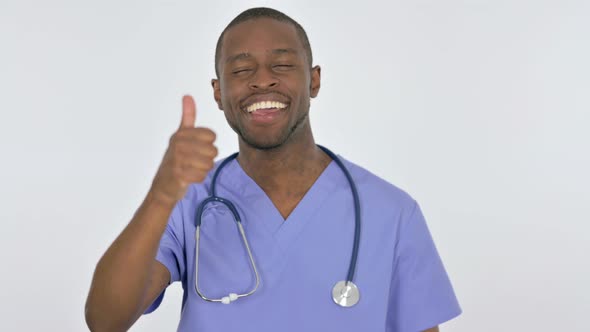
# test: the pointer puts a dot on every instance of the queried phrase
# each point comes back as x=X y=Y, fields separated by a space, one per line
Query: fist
x=188 y=159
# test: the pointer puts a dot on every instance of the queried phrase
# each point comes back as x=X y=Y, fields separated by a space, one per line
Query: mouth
x=265 y=106
x=265 y=111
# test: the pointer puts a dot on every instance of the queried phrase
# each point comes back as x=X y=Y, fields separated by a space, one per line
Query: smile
x=265 y=105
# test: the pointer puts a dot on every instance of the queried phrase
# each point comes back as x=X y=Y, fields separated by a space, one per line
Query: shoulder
x=378 y=192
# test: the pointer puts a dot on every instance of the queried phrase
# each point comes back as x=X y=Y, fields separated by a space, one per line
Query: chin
x=264 y=143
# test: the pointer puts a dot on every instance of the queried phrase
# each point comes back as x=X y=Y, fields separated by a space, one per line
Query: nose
x=263 y=80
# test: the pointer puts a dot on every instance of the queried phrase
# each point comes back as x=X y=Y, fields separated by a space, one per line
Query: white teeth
x=265 y=104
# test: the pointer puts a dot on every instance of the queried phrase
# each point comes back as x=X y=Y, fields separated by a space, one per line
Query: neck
x=294 y=165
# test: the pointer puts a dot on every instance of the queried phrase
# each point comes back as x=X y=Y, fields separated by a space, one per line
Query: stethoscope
x=345 y=293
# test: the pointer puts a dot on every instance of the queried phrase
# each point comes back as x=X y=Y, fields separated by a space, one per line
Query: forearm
x=122 y=275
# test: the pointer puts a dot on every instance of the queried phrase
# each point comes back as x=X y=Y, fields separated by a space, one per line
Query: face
x=265 y=83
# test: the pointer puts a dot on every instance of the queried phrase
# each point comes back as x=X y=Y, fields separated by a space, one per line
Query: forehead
x=260 y=35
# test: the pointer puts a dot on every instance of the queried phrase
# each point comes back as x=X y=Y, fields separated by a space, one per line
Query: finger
x=195 y=168
x=199 y=134
x=205 y=151
x=189 y=112
x=200 y=151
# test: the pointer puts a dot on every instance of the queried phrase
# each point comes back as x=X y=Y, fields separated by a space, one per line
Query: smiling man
x=308 y=217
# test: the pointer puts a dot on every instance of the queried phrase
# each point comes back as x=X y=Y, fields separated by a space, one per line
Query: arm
x=421 y=294
x=128 y=277
x=122 y=287
x=434 y=329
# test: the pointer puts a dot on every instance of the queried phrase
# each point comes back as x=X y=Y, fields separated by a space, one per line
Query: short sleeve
x=421 y=295
x=171 y=251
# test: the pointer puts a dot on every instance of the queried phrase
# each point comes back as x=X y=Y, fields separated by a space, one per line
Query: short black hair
x=263 y=12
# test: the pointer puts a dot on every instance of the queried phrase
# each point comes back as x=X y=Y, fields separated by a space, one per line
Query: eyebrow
x=284 y=51
x=237 y=57
x=245 y=55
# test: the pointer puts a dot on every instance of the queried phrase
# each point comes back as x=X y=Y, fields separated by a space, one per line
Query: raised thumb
x=189 y=112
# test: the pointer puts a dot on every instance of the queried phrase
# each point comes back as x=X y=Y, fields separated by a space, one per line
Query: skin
x=265 y=57
x=128 y=278
x=260 y=58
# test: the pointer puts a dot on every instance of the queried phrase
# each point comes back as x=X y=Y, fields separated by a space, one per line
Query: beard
x=269 y=143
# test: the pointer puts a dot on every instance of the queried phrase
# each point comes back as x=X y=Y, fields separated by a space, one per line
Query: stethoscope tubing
x=234 y=211
x=357 y=213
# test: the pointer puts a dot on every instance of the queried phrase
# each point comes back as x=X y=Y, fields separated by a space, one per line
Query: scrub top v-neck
x=404 y=284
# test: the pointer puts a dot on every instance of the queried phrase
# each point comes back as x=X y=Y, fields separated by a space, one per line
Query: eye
x=283 y=67
x=241 y=71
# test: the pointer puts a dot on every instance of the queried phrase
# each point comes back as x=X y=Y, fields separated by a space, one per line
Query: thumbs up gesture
x=189 y=157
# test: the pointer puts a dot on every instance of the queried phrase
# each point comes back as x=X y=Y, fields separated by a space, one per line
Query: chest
x=299 y=261
x=286 y=200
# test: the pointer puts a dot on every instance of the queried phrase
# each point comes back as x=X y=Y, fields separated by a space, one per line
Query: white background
x=479 y=109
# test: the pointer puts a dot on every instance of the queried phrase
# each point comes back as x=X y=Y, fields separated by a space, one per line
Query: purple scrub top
x=402 y=281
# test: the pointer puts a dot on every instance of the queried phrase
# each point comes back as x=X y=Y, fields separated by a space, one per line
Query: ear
x=315 y=81
x=216 y=92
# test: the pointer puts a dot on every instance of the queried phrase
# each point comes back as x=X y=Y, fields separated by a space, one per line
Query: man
x=296 y=208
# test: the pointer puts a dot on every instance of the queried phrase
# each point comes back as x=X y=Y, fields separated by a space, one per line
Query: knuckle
x=209 y=151
x=206 y=134
x=212 y=135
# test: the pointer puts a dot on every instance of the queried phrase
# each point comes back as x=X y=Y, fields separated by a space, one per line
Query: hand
x=188 y=159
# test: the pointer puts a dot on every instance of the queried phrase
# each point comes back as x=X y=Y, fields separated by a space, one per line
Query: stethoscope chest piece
x=345 y=294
